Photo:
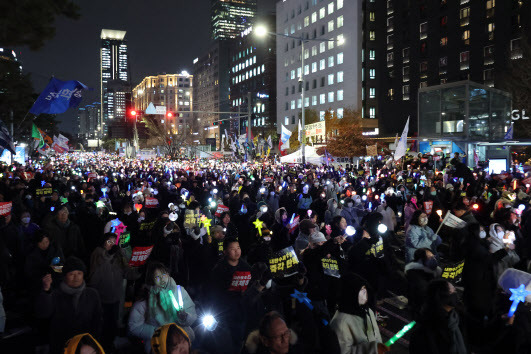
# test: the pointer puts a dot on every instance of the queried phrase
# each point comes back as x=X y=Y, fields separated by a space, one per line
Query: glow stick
x=518 y=295
x=175 y=304
x=400 y=334
x=180 y=296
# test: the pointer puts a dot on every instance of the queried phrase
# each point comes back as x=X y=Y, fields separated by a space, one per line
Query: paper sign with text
x=284 y=263
x=240 y=281
x=140 y=256
x=5 y=208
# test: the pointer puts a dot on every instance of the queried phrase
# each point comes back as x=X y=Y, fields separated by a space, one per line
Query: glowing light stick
x=100 y=204
x=258 y=224
x=328 y=229
x=303 y=299
x=292 y=218
x=309 y=213
x=518 y=295
x=400 y=334
x=104 y=191
x=439 y=212
x=350 y=231
x=174 y=301
x=43 y=183
x=206 y=223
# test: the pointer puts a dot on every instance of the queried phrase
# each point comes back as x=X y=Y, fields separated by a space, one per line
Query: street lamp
x=262 y=31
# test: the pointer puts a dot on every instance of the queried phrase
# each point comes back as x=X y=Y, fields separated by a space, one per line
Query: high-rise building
x=175 y=92
x=88 y=119
x=253 y=70
x=230 y=17
x=333 y=74
x=211 y=90
x=114 y=71
x=433 y=42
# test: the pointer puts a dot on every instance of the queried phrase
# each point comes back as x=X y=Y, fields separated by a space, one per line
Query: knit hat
x=317 y=237
x=73 y=263
x=160 y=338
x=306 y=225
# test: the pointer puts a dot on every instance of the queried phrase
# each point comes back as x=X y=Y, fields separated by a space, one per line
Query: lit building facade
x=211 y=90
x=230 y=17
x=88 y=119
x=174 y=91
x=435 y=42
x=253 y=69
x=334 y=74
x=114 y=66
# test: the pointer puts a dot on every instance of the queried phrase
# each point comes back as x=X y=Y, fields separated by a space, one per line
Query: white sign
x=161 y=110
x=316 y=129
x=151 y=109
x=515 y=114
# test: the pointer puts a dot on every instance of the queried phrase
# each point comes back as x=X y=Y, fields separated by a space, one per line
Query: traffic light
x=215 y=124
x=132 y=113
x=170 y=115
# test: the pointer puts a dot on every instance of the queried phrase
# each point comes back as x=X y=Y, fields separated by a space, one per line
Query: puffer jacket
x=420 y=237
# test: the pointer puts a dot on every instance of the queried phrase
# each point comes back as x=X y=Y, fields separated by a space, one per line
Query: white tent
x=310 y=153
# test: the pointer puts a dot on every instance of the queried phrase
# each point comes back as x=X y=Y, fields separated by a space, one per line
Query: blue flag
x=58 y=96
x=6 y=141
x=509 y=134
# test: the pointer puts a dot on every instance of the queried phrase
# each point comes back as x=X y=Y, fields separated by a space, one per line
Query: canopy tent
x=310 y=153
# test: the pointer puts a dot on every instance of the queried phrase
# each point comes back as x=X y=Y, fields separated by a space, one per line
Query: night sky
x=162 y=36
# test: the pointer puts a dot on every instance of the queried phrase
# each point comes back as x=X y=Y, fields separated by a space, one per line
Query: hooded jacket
x=331 y=212
x=418 y=277
x=355 y=325
x=350 y=215
x=420 y=237
x=496 y=244
x=280 y=238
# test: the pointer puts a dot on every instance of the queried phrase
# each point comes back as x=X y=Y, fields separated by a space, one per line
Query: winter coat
x=418 y=276
x=142 y=325
x=67 y=318
x=253 y=344
x=420 y=237
x=356 y=335
x=68 y=237
x=350 y=215
x=107 y=272
x=301 y=243
x=38 y=265
x=331 y=212
x=305 y=200
x=409 y=210
x=389 y=217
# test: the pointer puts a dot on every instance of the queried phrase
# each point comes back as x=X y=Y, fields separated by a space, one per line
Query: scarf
x=74 y=292
x=160 y=305
x=457 y=343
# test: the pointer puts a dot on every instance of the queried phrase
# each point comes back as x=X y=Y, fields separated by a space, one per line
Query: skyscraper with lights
x=231 y=17
x=114 y=70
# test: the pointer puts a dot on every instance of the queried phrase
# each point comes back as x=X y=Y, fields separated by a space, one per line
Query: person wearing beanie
x=72 y=308
x=169 y=339
x=108 y=269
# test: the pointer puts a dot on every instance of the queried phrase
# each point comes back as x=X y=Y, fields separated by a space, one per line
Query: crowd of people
x=103 y=254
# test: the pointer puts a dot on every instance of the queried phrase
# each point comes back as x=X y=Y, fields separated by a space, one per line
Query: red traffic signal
x=169 y=115
x=132 y=113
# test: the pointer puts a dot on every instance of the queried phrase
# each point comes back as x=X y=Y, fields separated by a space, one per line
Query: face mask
x=423 y=221
x=362 y=297
x=500 y=234
x=269 y=283
x=26 y=220
x=167 y=232
x=421 y=192
x=334 y=206
x=431 y=263
x=140 y=219
x=482 y=234
x=349 y=205
x=433 y=192
x=128 y=213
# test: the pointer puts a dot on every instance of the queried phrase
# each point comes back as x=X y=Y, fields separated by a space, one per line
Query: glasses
x=159 y=278
x=284 y=336
x=109 y=242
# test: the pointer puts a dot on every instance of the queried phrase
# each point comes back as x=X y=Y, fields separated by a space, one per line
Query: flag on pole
x=36 y=134
x=300 y=131
x=476 y=158
x=285 y=134
x=58 y=96
x=402 y=143
x=269 y=142
x=282 y=152
x=452 y=221
x=6 y=140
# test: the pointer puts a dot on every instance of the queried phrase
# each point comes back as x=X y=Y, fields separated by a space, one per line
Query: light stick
x=258 y=224
x=400 y=334
x=303 y=299
x=175 y=303
x=518 y=295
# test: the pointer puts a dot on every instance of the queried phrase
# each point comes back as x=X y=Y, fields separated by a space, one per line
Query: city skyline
x=74 y=52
